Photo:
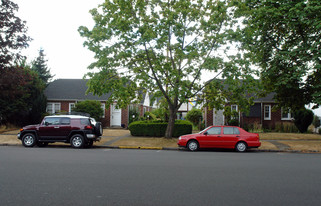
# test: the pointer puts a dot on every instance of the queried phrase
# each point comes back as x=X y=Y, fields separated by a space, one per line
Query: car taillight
x=88 y=127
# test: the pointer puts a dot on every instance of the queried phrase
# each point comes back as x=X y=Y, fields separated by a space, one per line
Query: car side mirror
x=205 y=133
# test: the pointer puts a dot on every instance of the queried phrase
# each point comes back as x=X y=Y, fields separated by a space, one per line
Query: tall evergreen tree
x=40 y=66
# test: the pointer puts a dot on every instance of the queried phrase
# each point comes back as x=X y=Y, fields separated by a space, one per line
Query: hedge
x=158 y=128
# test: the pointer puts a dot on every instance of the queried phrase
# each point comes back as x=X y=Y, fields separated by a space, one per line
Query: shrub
x=287 y=127
x=91 y=107
x=194 y=116
x=158 y=128
x=302 y=119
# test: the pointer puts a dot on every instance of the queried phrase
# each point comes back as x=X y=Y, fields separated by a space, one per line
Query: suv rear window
x=85 y=121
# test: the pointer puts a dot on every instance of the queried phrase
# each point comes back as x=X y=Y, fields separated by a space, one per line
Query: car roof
x=69 y=116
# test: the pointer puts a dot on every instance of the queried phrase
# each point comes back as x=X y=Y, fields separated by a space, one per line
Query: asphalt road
x=65 y=176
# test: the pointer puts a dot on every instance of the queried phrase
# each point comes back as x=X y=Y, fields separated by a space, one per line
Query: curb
x=173 y=149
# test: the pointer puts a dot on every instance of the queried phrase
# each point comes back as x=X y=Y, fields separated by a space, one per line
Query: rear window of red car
x=231 y=130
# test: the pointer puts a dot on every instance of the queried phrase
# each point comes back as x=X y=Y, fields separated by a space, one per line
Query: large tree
x=284 y=39
x=159 y=46
x=12 y=34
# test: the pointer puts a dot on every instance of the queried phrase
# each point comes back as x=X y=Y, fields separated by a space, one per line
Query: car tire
x=192 y=145
x=29 y=140
x=77 y=141
x=98 y=129
x=241 y=147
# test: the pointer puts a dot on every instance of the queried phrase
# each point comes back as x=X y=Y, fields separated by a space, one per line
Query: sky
x=53 y=26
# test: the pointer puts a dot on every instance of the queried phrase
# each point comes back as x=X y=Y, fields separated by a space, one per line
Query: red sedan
x=229 y=137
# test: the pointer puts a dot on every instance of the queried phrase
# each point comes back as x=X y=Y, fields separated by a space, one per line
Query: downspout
x=262 y=113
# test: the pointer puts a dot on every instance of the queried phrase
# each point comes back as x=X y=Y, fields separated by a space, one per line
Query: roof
x=71 y=89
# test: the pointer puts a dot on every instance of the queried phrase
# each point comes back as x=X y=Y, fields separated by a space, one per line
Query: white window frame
x=71 y=105
x=236 y=107
x=289 y=116
x=103 y=106
x=53 y=107
x=269 y=117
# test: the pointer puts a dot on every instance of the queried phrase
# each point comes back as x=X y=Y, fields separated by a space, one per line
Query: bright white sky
x=53 y=26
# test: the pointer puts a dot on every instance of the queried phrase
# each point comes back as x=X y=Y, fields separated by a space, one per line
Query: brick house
x=63 y=94
x=264 y=112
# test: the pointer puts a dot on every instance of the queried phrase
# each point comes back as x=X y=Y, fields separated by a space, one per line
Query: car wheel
x=29 y=140
x=77 y=141
x=192 y=145
x=241 y=147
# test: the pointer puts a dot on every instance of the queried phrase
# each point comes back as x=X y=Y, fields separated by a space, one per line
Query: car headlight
x=179 y=138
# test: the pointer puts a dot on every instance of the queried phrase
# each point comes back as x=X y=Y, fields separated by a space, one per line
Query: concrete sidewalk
x=120 y=138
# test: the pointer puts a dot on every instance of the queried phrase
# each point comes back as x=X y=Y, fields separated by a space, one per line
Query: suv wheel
x=77 y=141
x=29 y=140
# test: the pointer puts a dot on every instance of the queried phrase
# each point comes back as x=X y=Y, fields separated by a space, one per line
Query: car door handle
x=56 y=127
x=237 y=136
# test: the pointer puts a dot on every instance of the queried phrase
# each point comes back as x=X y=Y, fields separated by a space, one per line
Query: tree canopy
x=160 y=46
x=12 y=34
x=284 y=39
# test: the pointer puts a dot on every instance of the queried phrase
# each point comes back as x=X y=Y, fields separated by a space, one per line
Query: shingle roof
x=71 y=89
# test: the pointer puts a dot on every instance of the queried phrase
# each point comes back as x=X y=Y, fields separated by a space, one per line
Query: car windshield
x=201 y=132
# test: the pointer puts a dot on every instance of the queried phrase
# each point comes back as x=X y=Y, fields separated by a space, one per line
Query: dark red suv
x=79 y=131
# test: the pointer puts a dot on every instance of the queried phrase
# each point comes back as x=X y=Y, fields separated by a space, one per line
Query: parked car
x=79 y=131
x=229 y=137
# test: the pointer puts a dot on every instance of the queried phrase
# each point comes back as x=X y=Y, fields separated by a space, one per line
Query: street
x=65 y=176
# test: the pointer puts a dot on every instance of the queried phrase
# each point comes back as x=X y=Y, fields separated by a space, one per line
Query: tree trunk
x=171 y=123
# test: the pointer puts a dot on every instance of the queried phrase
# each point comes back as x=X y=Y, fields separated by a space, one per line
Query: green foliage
x=231 y=117
x=164 y=46
x=92 y=107
x=194 y=116
x=13 y=34
x=21 y=97
x=283 y=38
x=133 y=115
x=302 y=119
x=287 y=127
x=158 y=128
x=40 y=66
x=148 y=116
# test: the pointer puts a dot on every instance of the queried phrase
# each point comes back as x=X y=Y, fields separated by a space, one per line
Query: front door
x=115 y=116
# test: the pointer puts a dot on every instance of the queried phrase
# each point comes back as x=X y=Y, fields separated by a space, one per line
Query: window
x=71 y=106
x=267 y=112
x=214 y=130
x=103 y=107
x=286 y=114
x=234 y=110
x=53 y=108
x=231 y=130
x=52 y=121
x=65 y=121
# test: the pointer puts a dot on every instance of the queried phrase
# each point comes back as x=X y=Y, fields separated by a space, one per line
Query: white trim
x=289 y=116
x=103 y=106
x=70 y=107
x=53 y=108
x=264 y=112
